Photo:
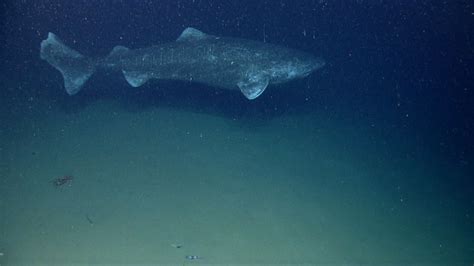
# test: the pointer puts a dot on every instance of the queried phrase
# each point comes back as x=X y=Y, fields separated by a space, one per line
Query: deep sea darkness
x=407 y=63
x=402 y=66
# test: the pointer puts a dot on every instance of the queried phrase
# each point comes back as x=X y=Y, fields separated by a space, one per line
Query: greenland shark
x=228 y=63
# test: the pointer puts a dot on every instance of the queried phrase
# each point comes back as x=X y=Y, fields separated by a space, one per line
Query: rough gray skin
x=229 y=63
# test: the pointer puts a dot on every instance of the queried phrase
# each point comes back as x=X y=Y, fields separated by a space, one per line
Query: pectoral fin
x=252 y=88
x=135 y=78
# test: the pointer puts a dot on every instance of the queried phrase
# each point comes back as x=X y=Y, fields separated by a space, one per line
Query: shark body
x=228 y=63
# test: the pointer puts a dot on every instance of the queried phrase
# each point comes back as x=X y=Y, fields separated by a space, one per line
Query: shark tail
x=75 y=68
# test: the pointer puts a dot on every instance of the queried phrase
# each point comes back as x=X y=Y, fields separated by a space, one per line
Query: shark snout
x=310 y=65
x=317 y=63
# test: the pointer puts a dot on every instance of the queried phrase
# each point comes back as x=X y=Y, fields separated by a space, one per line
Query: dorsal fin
x=192 y=34
x=117 y=50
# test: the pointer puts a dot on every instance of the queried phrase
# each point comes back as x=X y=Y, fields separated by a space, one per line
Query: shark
x=229 y=63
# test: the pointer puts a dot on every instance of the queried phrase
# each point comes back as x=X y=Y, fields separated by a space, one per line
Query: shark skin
x=227 y=63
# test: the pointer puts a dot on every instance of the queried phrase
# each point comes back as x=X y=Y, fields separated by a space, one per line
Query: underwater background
x=368 y=161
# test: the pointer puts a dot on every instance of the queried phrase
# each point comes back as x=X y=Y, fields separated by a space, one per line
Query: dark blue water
x=397 y=73
x=407 y=63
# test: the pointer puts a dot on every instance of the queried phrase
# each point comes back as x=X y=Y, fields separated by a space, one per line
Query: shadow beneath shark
x=196 y=98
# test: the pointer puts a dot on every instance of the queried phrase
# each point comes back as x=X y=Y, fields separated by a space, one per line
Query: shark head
x=306 y=65
x=294 y=68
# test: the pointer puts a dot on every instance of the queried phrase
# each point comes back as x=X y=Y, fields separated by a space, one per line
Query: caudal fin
x=75 y=68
